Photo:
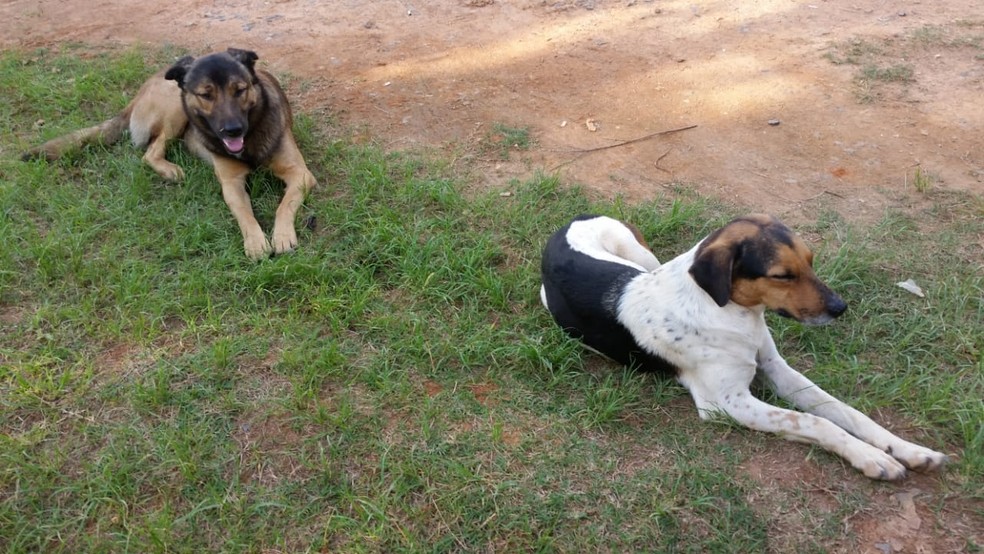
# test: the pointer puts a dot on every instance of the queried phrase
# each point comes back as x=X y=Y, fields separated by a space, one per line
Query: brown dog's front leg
x=298 y=181
x=232 y=176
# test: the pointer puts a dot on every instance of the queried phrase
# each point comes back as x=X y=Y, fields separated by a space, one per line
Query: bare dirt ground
x=441 y=73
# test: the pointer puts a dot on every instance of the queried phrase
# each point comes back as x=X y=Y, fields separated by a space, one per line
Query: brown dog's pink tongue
x=234 y=145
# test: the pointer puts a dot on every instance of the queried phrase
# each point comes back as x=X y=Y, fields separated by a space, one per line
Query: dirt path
x=443 y=72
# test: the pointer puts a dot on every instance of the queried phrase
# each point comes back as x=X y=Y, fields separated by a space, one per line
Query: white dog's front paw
x=876 y=464
x=915 y=457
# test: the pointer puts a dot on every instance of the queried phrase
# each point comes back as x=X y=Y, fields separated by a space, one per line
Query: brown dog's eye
x=239 y=92
x=783 y=277
x=206 y=95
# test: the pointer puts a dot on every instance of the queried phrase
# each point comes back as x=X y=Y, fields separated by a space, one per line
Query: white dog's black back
x=582 y=293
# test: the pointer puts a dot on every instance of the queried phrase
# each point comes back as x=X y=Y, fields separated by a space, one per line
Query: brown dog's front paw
x=257 y=247
x=284 y=240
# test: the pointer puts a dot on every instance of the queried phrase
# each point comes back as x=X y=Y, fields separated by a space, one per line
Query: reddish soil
x=441 y=73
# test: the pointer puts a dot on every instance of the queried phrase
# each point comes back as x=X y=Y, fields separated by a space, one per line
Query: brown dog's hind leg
x=107 y=132
x=157 y=117
x=154 y=157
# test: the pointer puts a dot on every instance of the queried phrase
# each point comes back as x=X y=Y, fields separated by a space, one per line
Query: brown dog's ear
x=713 y=269
x=245 y=57
x=178 y=71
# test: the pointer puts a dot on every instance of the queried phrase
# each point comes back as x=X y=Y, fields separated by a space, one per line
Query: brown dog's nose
x=231 y=130
x=836 y=305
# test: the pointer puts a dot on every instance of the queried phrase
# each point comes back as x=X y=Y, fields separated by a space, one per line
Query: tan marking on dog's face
x=789 y=285
x=234 y=98
x=759 y=261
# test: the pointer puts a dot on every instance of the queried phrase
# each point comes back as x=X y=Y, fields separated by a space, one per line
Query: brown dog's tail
x=106 y=132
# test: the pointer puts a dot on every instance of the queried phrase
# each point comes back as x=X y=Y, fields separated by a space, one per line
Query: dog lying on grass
x=230 y=114
x=701 y=316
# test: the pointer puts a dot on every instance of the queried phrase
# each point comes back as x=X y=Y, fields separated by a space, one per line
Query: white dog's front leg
x=751 y=412
x=806 y=395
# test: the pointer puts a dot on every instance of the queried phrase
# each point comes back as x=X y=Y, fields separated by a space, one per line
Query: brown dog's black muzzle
x=835 y=304
x=232 y=129
x=231 y=132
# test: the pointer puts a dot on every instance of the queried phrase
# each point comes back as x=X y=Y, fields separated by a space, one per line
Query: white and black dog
x=701 y=316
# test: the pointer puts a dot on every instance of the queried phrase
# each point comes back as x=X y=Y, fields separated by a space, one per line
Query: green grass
x=889 y=60
x=898 y=73
x=394 y=385
x=504 y=139
x=923 y=180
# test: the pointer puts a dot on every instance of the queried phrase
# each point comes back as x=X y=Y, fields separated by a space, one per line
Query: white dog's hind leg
x=635 y=252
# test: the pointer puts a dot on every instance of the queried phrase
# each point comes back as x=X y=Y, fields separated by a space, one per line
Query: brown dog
x=228 y=113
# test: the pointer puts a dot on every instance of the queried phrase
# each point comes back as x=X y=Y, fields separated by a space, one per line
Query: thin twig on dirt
x=640 y=139
x=659 y=159
x=814 y=197
x=583 y=152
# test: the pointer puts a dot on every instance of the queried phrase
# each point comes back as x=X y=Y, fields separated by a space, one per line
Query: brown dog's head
x=219 y=91
x=756 y=260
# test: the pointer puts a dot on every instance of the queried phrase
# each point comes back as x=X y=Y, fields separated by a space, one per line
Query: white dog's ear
x=713 y=268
